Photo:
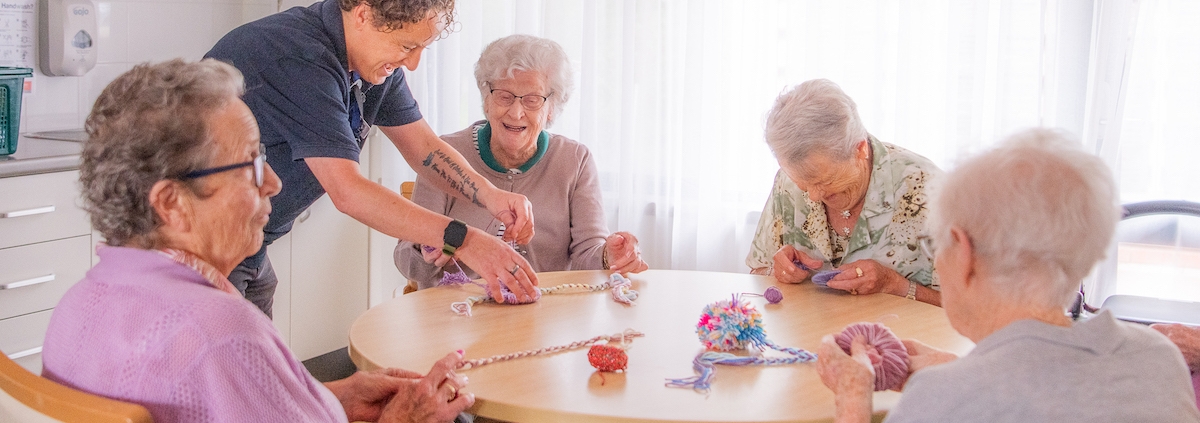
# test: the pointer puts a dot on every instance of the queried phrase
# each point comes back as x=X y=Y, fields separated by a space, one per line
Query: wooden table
x=415 y=330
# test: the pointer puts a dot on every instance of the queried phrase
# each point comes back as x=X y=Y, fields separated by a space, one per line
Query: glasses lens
x=532 y=101
x=258 y=165
x=504 y=98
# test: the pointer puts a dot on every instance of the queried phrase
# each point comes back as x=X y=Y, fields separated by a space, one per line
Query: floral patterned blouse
x=892 y=218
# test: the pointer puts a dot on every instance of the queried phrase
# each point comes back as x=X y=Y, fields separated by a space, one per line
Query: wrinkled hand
x=433 y=255
x=875 y=278
x=786 y=271
x=364 y=394
x=1186 y=338
x=435 y=398
x=493 y=261
x=624 y=256
x=850 y=377
x=921 y=356
x=516 y=212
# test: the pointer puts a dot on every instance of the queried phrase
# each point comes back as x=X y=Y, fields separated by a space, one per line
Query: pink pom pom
x=888 y=354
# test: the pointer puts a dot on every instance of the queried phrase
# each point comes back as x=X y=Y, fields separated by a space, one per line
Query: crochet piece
x=888 y=354
x=620 y=287
x=729 y=325
x=820 y=278
x=610 y=362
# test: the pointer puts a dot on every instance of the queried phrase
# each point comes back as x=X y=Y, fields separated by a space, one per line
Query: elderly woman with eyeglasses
x=842 y=200
x=525 y=81
x=1007 y=280
x=173 y=176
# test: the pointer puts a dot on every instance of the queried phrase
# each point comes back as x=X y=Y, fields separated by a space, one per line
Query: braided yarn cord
x=622 y=337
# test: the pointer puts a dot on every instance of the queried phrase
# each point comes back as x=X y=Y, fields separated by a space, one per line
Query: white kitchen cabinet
x=322 y=267
x=45 y=247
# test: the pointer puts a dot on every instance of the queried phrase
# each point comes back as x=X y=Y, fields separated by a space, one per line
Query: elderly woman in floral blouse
x=842 y=200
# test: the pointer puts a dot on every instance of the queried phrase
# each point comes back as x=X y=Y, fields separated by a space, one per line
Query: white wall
x=132 y=32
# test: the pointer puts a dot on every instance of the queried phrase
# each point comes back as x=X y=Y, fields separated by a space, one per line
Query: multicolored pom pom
x=607 y=358
x=729 y=325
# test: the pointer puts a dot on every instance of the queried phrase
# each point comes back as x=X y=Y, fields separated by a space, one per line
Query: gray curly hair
x=149 y=124
x=527 y=53
x=815 y=118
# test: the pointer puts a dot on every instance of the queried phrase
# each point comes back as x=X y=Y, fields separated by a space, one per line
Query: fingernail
x=461 y=353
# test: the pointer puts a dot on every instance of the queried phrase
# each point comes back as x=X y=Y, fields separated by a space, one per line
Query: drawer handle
x=27 y=282
x=28 y=212
x=26 y=353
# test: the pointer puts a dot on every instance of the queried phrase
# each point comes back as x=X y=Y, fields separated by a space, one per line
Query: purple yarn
x=888 y=354
x=773 y=295
x=823 y=278
x=800 y=265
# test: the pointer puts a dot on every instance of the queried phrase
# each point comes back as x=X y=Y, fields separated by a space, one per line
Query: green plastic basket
x=12 y=88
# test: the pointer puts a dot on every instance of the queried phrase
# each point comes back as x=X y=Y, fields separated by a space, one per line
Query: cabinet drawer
x=21 y=339
x=35 y=276
x=38 y=208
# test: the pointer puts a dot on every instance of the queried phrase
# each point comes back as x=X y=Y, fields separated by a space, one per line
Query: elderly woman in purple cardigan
x=173 y=176
x=525 y=81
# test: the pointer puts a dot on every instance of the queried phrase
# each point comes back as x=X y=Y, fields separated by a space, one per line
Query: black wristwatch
x=456 y=232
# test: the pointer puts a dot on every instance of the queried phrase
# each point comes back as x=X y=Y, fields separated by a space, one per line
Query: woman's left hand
x=623 y=253
x=850 y=377
x=516 y=212
x=868 y=277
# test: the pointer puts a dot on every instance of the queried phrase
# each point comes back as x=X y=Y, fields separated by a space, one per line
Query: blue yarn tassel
x=704 y=363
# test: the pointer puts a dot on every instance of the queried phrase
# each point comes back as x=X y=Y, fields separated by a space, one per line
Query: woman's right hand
x=785 y=268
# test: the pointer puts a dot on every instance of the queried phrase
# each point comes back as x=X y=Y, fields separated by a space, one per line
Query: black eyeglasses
x=506 y=98
x=257 y=163
x=927 y=246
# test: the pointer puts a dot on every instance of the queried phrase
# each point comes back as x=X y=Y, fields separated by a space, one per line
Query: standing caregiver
x=317 y=79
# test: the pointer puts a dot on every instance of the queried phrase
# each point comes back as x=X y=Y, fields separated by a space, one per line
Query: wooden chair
x=406 y=190
x=26 y=397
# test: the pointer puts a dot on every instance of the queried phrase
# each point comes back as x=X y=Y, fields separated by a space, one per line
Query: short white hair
x=531 y=54
x=1036 y=207
x=816 y=117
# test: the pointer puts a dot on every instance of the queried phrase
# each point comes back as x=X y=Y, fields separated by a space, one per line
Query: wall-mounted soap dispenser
x=67 y=41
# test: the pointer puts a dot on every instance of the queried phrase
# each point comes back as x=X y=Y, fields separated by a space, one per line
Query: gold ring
x=853 y=292
x=453 y=391
x=858 y=271
x=514 y=270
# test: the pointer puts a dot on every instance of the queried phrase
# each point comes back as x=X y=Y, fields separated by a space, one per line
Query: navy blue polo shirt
x=299 y=88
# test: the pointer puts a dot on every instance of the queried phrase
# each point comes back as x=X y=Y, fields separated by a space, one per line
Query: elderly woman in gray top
x=842 y=200
x=525 y=81
x=1007 y=280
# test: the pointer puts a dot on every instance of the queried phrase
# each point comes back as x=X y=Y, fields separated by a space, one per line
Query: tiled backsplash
x=132 y=32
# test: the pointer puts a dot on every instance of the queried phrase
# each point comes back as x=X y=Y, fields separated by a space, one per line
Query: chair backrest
x=406 y=189
x=26 y=397
x=1157 y=254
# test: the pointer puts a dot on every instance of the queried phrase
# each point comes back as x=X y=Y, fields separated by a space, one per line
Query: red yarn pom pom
x=607 y=358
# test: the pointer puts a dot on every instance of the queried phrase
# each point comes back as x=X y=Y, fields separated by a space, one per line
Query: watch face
x=455 y=233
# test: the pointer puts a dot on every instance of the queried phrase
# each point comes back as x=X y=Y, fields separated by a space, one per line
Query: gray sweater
x=1100 y=370
x=568 y=212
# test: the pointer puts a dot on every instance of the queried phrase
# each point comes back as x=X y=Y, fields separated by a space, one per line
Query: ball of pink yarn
x=887 y=353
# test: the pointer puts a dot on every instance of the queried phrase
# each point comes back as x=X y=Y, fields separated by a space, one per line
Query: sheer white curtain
x=671 y=94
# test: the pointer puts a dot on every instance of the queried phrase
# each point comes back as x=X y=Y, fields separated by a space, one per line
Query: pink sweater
x=144 y=329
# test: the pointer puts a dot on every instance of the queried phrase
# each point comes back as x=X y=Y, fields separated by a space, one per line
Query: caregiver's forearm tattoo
x=450 y=171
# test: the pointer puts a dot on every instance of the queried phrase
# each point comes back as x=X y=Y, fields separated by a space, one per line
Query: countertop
x=36 y=155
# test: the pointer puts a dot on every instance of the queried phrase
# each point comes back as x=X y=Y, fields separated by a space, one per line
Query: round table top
x=415 y=330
